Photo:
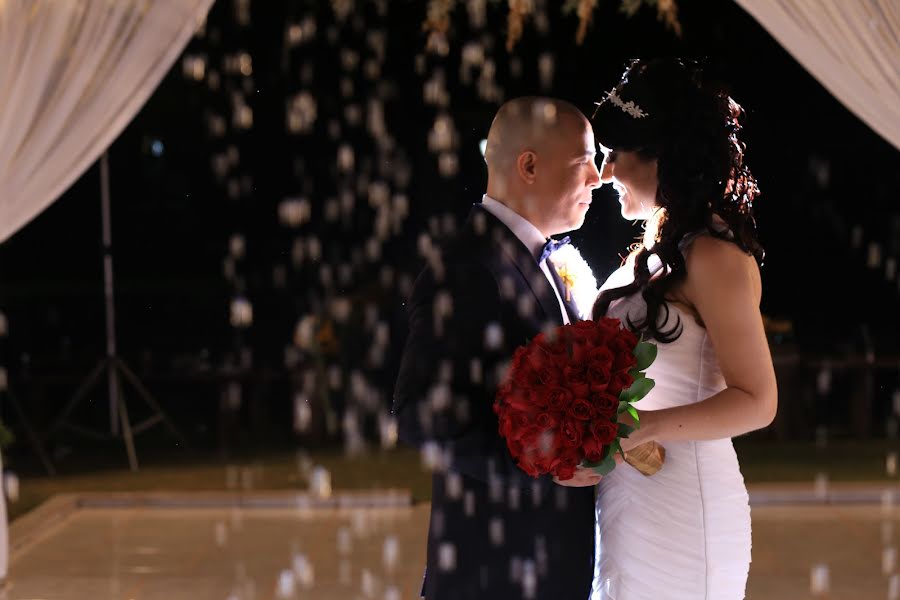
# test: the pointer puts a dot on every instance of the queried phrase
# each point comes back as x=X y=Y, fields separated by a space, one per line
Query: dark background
x=822 y=171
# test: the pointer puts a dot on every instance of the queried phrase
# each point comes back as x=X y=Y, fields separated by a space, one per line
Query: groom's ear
x=526 y=166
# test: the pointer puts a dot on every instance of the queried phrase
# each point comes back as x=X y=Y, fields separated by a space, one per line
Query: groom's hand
x=584 y=477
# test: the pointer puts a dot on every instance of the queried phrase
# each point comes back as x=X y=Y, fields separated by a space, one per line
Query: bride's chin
x=629 y=215
x=635 y=214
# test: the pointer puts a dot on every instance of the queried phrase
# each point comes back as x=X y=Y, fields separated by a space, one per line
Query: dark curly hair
x=692 y=132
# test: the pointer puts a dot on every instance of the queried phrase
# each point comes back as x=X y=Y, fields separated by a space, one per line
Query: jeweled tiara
x=632 y=109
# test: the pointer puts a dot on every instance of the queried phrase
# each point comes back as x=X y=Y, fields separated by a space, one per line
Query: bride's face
x=634 y=178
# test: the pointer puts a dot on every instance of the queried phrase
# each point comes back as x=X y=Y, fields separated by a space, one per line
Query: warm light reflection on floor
x=272 y=553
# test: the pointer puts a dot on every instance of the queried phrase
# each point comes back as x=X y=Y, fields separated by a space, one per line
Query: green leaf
x=623 y=406
x=645 y=353
x=636 y=374
x=617 y=447
x=638 y=390
x=625 y=430
x=605 y=466
x=634 y=415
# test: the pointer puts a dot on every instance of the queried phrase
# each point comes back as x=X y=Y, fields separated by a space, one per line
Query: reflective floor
x=160 y=553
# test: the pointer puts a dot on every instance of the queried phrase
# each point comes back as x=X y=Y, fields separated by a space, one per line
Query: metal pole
x=112 y=373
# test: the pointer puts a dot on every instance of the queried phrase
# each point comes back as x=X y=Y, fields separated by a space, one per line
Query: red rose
x=539 y=341
x=579 y=390
x=580 y=338
x=620 y=381
x=571 y=433
x=539 y=399
x=623 y=347
x=604 y=431
x=558 y=398
x=546 y=420
x=593 y=448
x=515 y=425
x=605 y=404
x=588 y=326
x=558 y=403
x=548 y=375
x=537 y=356
x=602 y=354
x=574 y=374
x=565 y=470
x=527 y=464
x=607 y=330
x=628 y=337
x=548 y=443
x=600 y=369
x=581 y=410
x=521 y=400
x=506 y=426
x=518 y=359
x=625 y=360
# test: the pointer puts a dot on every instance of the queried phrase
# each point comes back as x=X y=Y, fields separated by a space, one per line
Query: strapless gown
x=684 y=533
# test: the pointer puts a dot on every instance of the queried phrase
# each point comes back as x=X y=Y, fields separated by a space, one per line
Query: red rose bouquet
x=559 y=404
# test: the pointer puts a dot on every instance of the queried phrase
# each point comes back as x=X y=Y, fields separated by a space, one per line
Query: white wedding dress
x=683 y=533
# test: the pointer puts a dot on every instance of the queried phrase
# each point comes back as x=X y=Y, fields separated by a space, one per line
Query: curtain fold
x=73 y=74
x=852 y=47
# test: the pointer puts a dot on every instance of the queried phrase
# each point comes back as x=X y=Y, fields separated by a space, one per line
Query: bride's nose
x=606 y=173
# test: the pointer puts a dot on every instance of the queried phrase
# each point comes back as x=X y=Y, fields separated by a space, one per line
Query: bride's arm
x=724 y=286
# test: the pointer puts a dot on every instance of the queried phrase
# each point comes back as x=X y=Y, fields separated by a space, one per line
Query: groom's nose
x=594 y=178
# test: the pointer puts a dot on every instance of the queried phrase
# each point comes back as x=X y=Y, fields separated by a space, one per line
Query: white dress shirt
x=529 y=235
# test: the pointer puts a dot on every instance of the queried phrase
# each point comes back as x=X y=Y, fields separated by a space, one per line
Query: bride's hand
x=641 y=434
x=584 y=477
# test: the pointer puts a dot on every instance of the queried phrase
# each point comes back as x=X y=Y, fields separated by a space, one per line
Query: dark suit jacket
x=495 y=532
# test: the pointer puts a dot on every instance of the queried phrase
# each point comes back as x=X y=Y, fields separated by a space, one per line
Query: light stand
x=111 y=365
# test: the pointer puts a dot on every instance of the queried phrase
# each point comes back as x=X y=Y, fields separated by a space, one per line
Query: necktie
x=552 y=246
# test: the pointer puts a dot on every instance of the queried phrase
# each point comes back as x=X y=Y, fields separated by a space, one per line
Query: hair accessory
x=632 y=109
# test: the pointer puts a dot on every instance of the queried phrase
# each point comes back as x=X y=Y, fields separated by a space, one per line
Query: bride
x=693 y=285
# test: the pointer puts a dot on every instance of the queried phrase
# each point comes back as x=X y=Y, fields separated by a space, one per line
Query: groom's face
x=568 y=175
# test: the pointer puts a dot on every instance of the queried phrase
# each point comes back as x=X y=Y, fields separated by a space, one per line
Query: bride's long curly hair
x=704 y=186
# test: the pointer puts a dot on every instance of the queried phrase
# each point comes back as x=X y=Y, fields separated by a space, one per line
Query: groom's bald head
x=528 y=123
x=540 y=156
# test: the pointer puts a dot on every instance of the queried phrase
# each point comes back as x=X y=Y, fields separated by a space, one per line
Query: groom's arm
x=436 y=396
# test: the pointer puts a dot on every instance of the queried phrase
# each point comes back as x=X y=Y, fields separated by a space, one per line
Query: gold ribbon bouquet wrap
x=648 y=458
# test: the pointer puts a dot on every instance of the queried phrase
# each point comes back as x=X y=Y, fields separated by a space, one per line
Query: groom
x=496 y=533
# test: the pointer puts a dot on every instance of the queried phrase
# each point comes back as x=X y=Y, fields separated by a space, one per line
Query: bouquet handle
x=648 y=458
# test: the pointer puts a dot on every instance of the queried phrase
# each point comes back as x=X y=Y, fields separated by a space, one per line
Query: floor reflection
x=160 y=553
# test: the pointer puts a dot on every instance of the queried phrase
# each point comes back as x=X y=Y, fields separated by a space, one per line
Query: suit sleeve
x=436 y=397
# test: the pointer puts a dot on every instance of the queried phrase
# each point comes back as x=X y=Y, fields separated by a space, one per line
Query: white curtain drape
x=851 y=46
x=73 y=74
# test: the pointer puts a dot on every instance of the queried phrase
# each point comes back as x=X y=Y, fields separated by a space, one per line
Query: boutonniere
x=577 y=276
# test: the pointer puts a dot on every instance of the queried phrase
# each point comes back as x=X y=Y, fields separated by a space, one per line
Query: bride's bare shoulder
x=714 y=262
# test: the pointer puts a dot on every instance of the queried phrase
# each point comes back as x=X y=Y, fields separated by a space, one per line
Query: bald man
x=496 y=533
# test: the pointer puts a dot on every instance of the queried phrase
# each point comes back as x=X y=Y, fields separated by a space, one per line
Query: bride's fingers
x=583 y=477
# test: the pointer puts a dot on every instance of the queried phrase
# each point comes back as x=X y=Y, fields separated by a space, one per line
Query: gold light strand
x=585 y=12
x=518 y=11
x=437 y=24
x=667 y=12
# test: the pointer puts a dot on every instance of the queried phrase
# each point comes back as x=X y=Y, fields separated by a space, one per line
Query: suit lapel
x=521 y=258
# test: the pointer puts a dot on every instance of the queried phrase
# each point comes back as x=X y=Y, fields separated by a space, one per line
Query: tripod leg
x=149 y=399
x=126 y=433
x=79 y=395
x=33 y=439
